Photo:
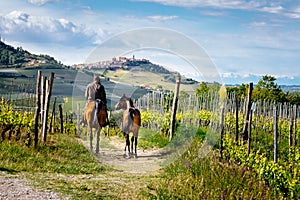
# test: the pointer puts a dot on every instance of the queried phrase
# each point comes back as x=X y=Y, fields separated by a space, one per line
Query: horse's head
x=124 y=103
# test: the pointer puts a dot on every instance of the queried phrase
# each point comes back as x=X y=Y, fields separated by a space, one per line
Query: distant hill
x=11 y=57
x=134 y=71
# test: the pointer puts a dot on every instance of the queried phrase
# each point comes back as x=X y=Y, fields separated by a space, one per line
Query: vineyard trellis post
x=223 y=97
x=61 y=118
x=295 y=125
x=291 y=126
x=174 y=107
x=78 y=118
x=248 y=108
x=43 y=96
x=49 y=84
x=236 y=117
x=275 y=133
x=37 y=109
x=253 y=107
x=52 y=119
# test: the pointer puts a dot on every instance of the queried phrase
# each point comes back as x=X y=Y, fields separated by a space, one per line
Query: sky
x=244 y=39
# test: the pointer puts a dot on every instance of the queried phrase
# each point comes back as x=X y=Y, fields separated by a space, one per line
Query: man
x=95 y=90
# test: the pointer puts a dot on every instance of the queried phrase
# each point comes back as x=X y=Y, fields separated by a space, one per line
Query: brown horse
x=95 y=116
x=131 y=122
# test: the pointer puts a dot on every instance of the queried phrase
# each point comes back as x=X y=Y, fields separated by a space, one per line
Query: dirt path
x=18 y=189
x=112 y=154
x=130 y=176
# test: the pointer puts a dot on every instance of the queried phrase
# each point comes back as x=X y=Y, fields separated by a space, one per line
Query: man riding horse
x=95 y=90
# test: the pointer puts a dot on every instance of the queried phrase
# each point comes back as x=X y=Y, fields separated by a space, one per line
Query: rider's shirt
x=95 y=91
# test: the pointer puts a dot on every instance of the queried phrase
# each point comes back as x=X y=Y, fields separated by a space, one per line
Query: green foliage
x=267 y=89
x=240 y=91
x=61 y=154
x=17 y=57
x=161 y=121
x=285 y=178
x=151 y=139
x=192 y=177
x=293 y=98
x=14 y=124
x=203 y=89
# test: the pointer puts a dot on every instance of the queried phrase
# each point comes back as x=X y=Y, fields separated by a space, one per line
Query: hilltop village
x=113 y=64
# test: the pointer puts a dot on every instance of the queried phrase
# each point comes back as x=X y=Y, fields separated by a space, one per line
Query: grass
x=151 y=139
x=64 y=165
x=194 y=177
x=61 y=155
x=145 y=78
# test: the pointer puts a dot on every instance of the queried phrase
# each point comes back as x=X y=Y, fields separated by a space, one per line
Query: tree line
x=266 y=89
x=18 y=56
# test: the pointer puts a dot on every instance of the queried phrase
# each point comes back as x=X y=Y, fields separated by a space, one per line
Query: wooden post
x=78 y=118
x=37 y=109
x=291 y=126
x=253 y=107
x=11 y=90
x=52 y=117
x=174 y=108
x=295 y=125
x=248 y=108
x=223 y=97
x=275 y=133
x=49 y=85
x=236 y=118
x=222 y=130
x=61 y=119
x=43 y=97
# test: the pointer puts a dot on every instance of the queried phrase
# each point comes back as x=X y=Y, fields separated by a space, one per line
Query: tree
x=203 y=89
x=293 y=97
x=267 y=89
x=240 y=91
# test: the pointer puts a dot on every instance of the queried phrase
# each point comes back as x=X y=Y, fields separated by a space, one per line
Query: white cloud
x=47 y=29
x=41 y=2
x=233 y=4
x=294 y=13
x=272 y=9
x=162 y=17
x=214 y=13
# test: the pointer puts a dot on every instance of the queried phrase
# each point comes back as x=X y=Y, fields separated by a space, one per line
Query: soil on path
x=131 y=174
x=112 y=153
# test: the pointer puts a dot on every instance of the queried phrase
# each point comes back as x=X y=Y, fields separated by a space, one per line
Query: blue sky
x=245 y=39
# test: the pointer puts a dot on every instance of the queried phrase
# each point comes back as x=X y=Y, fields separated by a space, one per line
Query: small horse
x=95 y=116
x=131 y=122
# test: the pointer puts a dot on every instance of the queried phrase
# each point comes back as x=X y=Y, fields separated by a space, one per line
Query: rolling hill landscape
x=18 y=70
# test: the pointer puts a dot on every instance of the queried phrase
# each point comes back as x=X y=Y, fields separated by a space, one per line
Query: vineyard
x=274 y=157
x=268 y=146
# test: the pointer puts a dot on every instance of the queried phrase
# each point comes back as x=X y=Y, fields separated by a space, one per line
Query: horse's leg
x=132 y=141
x=135 y=144
x=90 y=129
x=98 y=140
x=126 y=142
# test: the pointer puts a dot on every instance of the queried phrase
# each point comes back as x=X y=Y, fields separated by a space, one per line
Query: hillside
x=18 y=69
x=137 y=72
x=18 y=57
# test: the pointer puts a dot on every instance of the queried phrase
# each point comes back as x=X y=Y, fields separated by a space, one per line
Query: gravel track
x=12 y=188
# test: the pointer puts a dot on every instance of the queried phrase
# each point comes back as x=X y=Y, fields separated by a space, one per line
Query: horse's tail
x=135 y=116
x=96 y=111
